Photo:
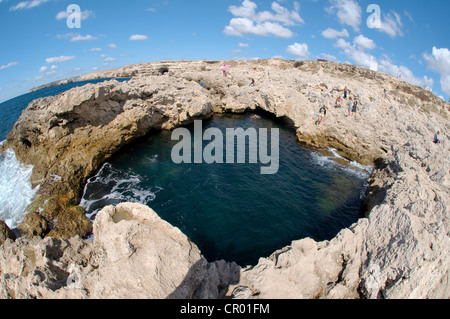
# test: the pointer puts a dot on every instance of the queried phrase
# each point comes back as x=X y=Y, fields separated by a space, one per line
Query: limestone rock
x=34 y=225
x=400 y=250
x=5 y=233
x=135 y=254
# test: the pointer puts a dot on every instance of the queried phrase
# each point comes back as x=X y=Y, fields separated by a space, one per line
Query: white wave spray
x=111 y=186
x=16 y=192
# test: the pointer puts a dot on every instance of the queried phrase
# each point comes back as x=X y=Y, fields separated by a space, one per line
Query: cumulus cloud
x=364 y=43
x=10 y=64
x=59 y=59
x=138 y=37
x=75 y=37
x=333 y=34
x=276 y=22
x=439 y=61
x=27 y=5
x=329 y=57
x=112 y=46
x=300 y=50
x=84 y=15
x=387 y=66
x=357 y=55
x=391 y=24
x=80 y=37
x=347 y=11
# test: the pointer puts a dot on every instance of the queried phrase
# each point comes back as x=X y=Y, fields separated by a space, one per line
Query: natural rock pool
x=231 y=211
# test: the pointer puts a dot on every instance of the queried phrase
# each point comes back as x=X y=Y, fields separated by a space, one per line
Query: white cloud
x=407 y=75
x=59 y=59
x=75 y=37
x=112 y=46
x=358 y=56
x=364 y=43
x=10 y=64
x=276 y=22
x=332 y=33
x=80 y=37
x=439 y=61
x=300 y=50
x=392 y=24
x=329 y=57
x=348 y=12
x=95 y=50
x=138 y=37
x=241 y=26
x=43 y=69
x=109 y=59
x=27 y=5
x=243 y=45
x=84 y=15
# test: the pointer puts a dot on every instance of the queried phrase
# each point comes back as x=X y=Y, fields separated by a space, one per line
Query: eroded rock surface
x=399 y=251
x=135 y=254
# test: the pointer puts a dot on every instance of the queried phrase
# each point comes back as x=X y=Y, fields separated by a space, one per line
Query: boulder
x=5 y=233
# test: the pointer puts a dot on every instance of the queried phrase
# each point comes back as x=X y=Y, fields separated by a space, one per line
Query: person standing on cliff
x=253 y=82
x=350 y=106
x=322 y=114
x=345 y=93
x=355 y=107
x=437 y=139
x=338 y=103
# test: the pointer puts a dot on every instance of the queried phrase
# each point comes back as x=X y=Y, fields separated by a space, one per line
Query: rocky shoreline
x=399 y=251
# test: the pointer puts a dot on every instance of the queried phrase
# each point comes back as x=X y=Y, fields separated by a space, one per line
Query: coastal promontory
x=398 y=250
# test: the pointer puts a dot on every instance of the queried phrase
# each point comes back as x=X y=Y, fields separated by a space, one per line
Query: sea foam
x=351 y=167
x=111 y=186
x=16 y=192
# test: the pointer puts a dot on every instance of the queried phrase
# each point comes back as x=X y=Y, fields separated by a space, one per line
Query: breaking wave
x=16 y=191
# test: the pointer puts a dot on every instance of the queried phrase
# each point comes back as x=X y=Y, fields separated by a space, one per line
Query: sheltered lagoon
x=232 y=211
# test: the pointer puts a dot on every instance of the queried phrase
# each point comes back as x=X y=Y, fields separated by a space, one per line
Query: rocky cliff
x=400 y=250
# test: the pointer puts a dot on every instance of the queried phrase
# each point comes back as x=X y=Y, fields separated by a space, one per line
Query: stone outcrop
x=399 y=251
x=135 y=254
x=5 y=233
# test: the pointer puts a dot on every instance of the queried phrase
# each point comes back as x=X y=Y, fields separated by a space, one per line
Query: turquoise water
x=231 y=211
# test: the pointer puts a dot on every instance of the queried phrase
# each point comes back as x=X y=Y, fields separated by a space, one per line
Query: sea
x=16 y=192
x=231 y=211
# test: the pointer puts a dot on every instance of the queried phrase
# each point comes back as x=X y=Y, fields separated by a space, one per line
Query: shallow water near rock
x=231 y=211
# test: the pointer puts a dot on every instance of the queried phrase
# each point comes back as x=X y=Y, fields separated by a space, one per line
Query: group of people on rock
x=351 y=103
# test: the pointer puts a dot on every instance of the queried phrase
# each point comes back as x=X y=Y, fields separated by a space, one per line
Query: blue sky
x=37 y=46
